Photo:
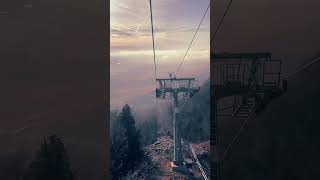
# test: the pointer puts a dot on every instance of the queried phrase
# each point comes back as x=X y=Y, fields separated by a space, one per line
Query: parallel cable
x=221 y=21
x=234 y=138
x=154 y=52
x=303 y=67
x=204 y=15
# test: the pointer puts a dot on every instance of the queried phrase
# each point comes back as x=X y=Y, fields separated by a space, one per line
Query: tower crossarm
x=240 y=72
x=176 y=85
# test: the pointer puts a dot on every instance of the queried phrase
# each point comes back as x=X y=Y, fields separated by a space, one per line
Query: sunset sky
x=175 y=21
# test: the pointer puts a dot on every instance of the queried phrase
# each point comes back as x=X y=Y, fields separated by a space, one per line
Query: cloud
x=175 y=22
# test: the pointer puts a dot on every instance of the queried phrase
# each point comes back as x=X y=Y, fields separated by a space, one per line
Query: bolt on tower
x=171 y=88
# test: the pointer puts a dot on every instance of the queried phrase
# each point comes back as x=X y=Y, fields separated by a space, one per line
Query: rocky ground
x=156 y=164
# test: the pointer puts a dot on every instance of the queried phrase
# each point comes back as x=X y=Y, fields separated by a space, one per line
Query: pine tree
x=118 y=148
x=125 y=143
x=51 y=162
x=149 y=128
x=134 y=151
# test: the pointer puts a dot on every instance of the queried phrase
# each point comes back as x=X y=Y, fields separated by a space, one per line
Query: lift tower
x=170 y=88
x=249 y=80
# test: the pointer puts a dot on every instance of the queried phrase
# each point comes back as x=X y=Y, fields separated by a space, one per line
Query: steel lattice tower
x=172 y=88
x=250 y=79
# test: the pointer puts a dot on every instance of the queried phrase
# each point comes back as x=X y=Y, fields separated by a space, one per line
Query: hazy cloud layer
x=175 y=21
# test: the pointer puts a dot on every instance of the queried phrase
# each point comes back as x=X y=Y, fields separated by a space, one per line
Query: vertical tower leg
x=177 y=157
